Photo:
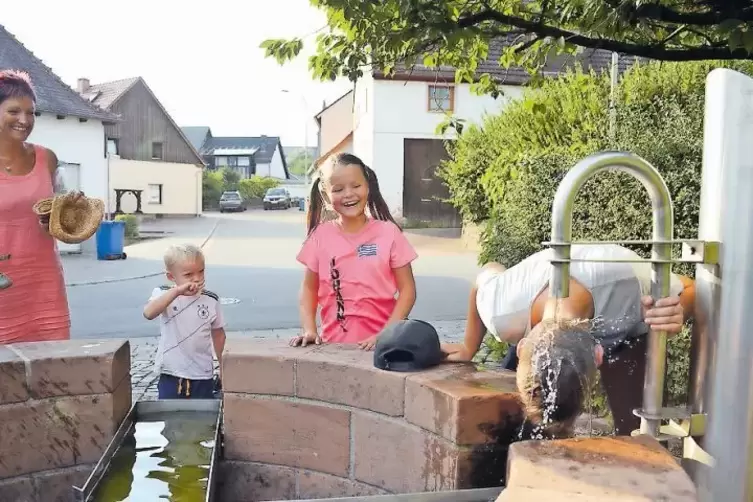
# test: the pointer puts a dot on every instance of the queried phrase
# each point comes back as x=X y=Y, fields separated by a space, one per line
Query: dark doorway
x=424 y=193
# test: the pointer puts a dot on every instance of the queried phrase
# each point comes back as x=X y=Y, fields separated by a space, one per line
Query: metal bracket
x=705 y=252
x=4 y=257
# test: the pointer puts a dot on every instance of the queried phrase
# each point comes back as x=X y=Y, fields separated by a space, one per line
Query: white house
x=154 y=168
x=395 y=123
x=67 y=124
x=249 y=156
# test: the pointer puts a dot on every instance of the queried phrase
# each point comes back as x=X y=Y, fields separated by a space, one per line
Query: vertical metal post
x=730 y=434
x=663 y=230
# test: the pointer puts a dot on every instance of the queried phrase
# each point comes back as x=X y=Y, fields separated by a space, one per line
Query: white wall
x=363 y=120
x=277 y=170
x=181 y=186
x=80 y=143
x=274 y=169
x=400 y=112
x=336 y=123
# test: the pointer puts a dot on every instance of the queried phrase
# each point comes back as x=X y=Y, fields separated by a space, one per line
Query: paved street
x=250 y=261
x=251 y=264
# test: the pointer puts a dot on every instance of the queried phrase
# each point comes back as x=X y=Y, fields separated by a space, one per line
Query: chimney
x=83 y=85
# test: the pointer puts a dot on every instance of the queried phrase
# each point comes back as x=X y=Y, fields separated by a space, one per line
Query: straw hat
x=71 y=222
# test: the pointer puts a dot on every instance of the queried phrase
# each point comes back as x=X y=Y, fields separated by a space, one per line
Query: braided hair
x=376 y=204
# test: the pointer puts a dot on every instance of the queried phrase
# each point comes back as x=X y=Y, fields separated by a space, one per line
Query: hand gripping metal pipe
x=661 y=255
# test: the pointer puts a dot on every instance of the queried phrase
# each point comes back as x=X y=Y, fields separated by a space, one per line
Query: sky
x=201 y=59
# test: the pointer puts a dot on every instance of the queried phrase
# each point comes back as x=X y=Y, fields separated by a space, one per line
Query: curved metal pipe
x=663 y=223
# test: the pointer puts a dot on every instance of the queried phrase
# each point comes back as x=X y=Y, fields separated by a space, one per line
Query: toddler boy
x=191 y=324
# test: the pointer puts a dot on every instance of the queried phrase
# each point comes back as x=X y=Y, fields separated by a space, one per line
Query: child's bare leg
x=474 y=326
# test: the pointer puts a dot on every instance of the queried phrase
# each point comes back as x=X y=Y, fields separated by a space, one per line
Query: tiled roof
x=53 y=95
x=105 y=94
x=596 y=59
x=196 y=135
x=265 y=145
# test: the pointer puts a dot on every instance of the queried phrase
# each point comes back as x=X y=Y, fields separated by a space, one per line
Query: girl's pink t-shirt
x=357 y=287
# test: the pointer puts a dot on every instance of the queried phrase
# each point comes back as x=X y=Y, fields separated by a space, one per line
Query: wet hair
x=181 y=253
x=16 y=84
x=555 y=375
x=375 y=204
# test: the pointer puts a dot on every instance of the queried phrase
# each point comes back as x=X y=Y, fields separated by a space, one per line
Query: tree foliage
x=457 y=33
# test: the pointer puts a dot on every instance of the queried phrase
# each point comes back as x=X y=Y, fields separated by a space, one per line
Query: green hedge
x=256 y=186
x=505 y=171
x=217 y=181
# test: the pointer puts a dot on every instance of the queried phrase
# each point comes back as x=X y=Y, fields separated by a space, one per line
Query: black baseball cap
x=408 y=345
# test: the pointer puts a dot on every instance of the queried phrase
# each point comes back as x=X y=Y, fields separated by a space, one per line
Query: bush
x=131 y=225
x=256 y=186
x=506 y=171
x=212 y=188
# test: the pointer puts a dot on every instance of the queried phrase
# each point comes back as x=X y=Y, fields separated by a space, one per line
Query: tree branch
x=666 y=15
x=647 y=51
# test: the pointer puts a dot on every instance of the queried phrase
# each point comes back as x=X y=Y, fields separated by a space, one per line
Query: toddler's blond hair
x=181 y=253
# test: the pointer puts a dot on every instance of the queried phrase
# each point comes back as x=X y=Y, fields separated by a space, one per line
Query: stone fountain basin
x=316 y=423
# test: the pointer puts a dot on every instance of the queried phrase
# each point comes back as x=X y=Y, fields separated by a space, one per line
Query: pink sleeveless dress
x=35 y=307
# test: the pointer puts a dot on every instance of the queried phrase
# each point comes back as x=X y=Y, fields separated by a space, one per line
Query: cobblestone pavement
x=143 y=350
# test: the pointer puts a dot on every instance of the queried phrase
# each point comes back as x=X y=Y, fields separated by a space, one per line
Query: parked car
x=232 y=201
x=277 y=197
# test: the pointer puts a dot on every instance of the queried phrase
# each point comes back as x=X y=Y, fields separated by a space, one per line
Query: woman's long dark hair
x=376 y=203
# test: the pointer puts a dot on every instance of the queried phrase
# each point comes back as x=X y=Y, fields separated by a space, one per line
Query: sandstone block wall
x=619 y=469
x=321 y=421
x=60 y=405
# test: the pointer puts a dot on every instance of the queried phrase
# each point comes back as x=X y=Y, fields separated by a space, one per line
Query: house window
x=220 y=162
x=157 y=150
x=244 y=161
x=112 y=146
x=232 y=161
x=154 y=194
x=441 y=98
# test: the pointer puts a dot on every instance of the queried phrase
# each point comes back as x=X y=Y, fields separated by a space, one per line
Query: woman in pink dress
x=33 y=302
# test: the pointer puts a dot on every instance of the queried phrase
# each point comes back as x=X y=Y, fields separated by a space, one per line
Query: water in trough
x=163 y=457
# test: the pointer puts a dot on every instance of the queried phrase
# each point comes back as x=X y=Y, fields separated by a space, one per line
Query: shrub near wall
x=507 y=171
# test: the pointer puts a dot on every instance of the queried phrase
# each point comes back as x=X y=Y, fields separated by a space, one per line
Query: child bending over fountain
x=191 y=325
x=613 y=295
x=357 y=263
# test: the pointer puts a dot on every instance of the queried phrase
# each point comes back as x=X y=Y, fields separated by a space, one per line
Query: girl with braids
x=356 y=263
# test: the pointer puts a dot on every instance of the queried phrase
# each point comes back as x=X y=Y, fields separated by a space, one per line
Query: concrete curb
x=136 y=277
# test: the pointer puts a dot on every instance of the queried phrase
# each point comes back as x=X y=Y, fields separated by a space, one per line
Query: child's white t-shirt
x=504 y=300
x=185 y=345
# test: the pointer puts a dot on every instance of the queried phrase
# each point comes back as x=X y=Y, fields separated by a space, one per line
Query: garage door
x=424 y=192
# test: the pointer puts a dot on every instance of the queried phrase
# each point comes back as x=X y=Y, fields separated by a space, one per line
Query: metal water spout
x=661 y=255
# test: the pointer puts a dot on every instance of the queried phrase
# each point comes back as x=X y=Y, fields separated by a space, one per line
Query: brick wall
x=60 y=405
x=321 y=421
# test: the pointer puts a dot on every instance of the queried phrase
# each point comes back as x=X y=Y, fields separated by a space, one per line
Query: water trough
x=176 y=435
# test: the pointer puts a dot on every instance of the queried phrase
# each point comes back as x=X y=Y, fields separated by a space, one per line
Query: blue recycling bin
x=302 y=204
x=111 y=240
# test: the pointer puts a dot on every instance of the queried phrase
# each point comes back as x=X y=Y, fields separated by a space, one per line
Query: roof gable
x=53 y=95
x=109 y=93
